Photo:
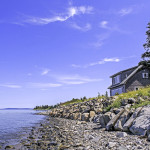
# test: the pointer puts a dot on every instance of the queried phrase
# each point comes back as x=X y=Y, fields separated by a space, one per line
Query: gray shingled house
x=130 y=79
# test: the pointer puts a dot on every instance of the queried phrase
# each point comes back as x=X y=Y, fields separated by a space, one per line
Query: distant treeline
x=45 y=107
x=74 y=100
x=83 y=99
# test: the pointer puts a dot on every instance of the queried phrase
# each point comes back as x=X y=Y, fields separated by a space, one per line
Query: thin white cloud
x=75 y=66
x=76 y=79
x=14 y=86
x=125 y=11
x=85 y=28
x=100 y=40
x=103 y=24
x=103 y=61
x=43 y=85
x=110 y=29
x=71 y=12
x=18 y=23
x=45 y=72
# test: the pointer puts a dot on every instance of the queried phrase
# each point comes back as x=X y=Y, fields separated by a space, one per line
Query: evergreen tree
x=99 y=95
x=106 y=95
x=84 y=98
x=146 y=55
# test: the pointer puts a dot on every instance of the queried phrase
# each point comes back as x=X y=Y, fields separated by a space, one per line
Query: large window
x=116 y=79
x=116 y=91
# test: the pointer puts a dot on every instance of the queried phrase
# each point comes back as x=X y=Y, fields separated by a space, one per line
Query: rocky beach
x=89 y=126
x=65 y=134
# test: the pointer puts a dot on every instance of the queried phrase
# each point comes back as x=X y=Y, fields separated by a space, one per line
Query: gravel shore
x=66 y=134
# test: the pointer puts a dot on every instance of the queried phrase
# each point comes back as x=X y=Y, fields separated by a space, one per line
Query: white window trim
x=145 y=75
x=136 y=88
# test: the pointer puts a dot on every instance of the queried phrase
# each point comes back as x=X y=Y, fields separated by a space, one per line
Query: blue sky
x=53 y=51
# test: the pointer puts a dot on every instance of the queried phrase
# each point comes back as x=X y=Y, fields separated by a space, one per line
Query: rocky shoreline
x=124 y=118
x=64 y=134
x=89 y=126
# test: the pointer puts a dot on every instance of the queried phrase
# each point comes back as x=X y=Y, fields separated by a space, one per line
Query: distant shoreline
x=15 y=108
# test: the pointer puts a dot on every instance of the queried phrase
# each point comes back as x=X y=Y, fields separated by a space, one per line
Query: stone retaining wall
x=136 y=121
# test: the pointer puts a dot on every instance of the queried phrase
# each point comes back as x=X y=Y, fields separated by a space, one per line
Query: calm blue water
x=13 y=122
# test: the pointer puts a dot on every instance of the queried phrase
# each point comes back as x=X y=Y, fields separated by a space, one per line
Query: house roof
x=123 y=71
x=114 y=86
x=134 y=72
x=126 y=79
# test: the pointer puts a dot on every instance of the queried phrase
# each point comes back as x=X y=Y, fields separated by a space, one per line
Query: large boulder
x=99 y=119
x=76 y=116
x=79 y=116
x=71 y=116
x=108 y=116
x=112 y=122
x=92 y=114
x=141 y=124
x=85 y=117
x=98 y=110
x=128 y=124
x=86 y=109
x=122 y=120
x=124 y=102
x=103 y=119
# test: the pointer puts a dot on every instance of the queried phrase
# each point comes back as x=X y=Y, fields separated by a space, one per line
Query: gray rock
x=148 y=137
x=108 y=116
x=103 y=119
x=99 y=119
x=131 y=100
x=9 y=147
x=121 y=121
x=139 y=147
x=142 y=123
x=121 y=134
x=128 y=124
x=122 y=148
x=53 y=143
x=127 y=106
x=124 y=102
x=85 y=117
x=113 y=121
x=111 y=144
x=116 y=110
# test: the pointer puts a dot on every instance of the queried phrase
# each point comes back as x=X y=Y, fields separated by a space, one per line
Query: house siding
x=138 y=81
x=119 y=90
x=123 y=75
x=134 y=82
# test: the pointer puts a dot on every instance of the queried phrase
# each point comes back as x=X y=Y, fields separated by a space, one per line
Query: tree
x=146 y=56
x=106 y=94
x=99 y=95
x=84 y=98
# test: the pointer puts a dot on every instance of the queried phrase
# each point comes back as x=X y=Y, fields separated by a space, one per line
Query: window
x=116 y=91
x=126 y=75
x=136 y=89
x=116 y=79
x=145 y=75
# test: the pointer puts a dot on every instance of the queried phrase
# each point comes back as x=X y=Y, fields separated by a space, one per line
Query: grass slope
x=141 y=96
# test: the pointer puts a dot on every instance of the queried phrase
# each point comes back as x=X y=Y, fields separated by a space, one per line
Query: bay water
x=16 y=122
